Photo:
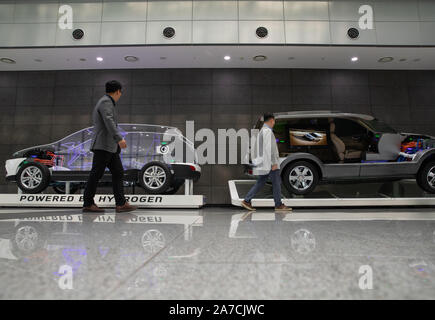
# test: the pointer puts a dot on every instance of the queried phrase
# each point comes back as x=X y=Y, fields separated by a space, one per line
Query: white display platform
x=329 y=202
x=102 y=200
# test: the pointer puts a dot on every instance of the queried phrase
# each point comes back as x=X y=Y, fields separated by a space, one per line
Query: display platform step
x=398 y=193
x=102 y=200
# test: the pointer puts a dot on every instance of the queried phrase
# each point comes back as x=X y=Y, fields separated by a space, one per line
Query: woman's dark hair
x=113 y=86
x=268 y=116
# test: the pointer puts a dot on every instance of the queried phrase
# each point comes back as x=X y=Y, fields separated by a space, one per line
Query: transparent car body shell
x=145 y=143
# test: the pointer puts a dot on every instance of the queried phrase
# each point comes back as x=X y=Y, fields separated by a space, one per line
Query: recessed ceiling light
x=82 y=59
x=227 y=58
x=37 y=60
x=100 y=59
x=386 y=59
x=291 y=58
x=354 y=59
x=7 y=60
x=417 y=60
x=131 y=58
x=402 y=60
x=259 y=58
x=162 y=58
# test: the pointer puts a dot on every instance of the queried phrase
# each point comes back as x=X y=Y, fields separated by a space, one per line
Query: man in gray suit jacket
x=106 y=145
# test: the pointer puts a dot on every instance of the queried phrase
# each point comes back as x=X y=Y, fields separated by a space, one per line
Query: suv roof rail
x=307 y=112
x=322 y=113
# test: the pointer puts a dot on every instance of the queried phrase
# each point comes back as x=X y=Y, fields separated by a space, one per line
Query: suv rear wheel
x=426 y=177
x=300 y=177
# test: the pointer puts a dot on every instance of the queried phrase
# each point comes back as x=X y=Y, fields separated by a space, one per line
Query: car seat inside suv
x=340 y=147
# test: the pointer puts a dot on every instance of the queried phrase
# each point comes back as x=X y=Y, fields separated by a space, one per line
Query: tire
x=27 y=238
x=33 y=177
x=426 y=177
x=308 y=181
x=60 y=188
x=303 y=242
x=155 y=177
x=153 y=240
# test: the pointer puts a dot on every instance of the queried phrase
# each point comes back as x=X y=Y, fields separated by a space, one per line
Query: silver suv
x=336 y=146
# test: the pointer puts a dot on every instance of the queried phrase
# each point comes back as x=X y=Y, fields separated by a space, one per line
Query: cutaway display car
x=327 y=146
x=150 y=161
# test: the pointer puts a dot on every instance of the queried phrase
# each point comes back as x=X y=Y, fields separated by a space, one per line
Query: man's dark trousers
x=103 y=159
x=276 y=187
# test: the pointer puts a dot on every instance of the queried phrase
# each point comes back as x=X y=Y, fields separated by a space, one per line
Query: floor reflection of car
x=285 y=255
x=153 y=160
x=151 y=232
x=79 y=241
x=301 y=255
x=353 y=148
x=304 y=233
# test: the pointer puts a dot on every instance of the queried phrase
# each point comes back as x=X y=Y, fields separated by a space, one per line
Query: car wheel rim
x=303 y=241
x=26 y=238
x=301 y=178
x=154 y=177
x=431 y=177
x=31 y=177
x=153 y=241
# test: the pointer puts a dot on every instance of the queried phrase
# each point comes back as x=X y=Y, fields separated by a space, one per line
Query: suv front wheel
x=300 y=177
x=426 y=177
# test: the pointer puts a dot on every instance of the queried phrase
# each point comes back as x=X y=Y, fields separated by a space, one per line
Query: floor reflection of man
x=104 y=249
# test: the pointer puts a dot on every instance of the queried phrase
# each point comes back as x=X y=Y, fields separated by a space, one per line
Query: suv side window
x=352 y=134
x=308 y=123
x=348 y=128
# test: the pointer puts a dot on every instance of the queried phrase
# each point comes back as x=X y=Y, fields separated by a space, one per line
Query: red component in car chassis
x=52 y=161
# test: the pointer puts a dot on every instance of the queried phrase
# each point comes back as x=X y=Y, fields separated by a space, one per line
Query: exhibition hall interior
x=219 y=149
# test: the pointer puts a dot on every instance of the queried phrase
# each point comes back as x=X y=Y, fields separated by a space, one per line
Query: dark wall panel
x=40 y=107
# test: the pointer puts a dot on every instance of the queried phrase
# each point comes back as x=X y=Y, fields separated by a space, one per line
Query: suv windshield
x=378 y=126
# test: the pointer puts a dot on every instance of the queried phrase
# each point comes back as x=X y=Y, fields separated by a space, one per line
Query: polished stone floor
x=218 y=253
